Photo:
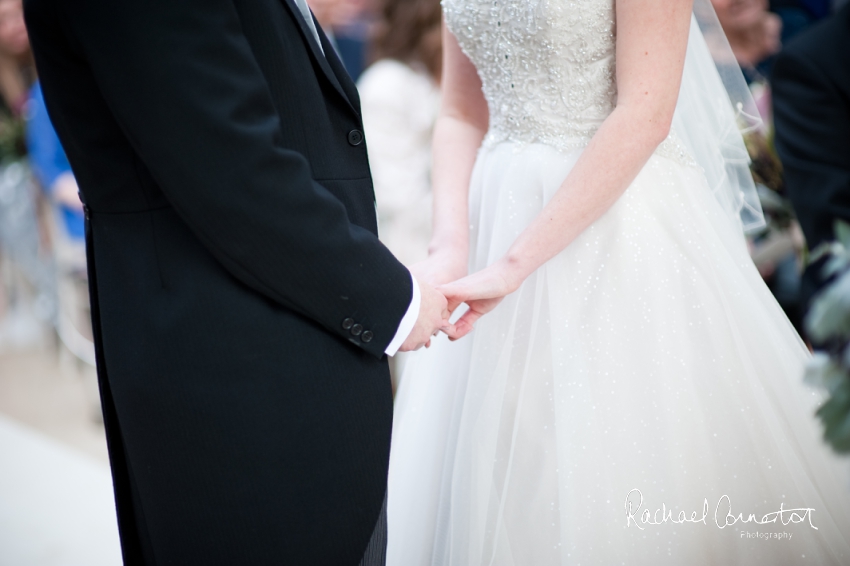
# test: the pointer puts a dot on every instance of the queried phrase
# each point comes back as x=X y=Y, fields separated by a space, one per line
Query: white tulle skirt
x=645 y=365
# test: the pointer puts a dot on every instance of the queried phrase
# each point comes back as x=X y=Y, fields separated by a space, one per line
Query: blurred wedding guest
x=811 y=98
x=66 y=225
x=17 y=67
x=754 y=34
x=797 y=15
x=346 y=23
x=51 y=167
x=400 y=97
x=20 y=234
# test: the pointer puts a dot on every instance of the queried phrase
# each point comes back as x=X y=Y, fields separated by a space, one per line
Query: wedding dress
x=646 y=365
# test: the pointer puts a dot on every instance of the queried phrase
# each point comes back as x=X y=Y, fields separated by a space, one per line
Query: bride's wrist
x=515 y=269
x=454 y=251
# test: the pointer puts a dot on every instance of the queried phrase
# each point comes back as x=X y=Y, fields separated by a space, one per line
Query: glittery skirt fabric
x=646 y=365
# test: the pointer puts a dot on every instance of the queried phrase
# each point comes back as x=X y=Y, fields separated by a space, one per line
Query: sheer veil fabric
x=646 y=364
x=714 y=110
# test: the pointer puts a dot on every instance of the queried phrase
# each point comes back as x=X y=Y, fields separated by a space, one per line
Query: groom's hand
x=433 y=317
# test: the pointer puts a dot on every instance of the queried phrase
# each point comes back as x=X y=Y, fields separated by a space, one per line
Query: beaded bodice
x=546 y=67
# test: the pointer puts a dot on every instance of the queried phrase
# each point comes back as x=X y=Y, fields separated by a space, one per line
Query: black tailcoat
x=241 y=299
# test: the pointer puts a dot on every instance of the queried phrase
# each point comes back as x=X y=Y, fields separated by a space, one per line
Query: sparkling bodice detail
x=547 y=68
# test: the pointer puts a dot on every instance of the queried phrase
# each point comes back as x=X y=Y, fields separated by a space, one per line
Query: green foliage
x=835 y=415
x=828 y=323
x=829 y=316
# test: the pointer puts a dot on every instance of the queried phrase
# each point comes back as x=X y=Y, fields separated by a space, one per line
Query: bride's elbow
x=659 y=126
x=652 y=122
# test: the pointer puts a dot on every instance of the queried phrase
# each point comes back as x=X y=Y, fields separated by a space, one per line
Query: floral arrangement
x=828 y=325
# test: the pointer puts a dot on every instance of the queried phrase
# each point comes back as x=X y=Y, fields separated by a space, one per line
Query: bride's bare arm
x=652 y=38
x=458 y=132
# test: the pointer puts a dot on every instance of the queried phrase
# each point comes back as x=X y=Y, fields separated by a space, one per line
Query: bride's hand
x=440 y=267
x=482 y=292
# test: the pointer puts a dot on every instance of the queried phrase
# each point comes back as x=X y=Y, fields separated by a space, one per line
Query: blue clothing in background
x=352 y=51
x=47 y=158
x=817 y=9
x=797 y=15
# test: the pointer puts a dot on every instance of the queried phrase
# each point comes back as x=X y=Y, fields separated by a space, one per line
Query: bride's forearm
x=652 y=39
x=455 y=146
x=461 y=126
x=609 y=164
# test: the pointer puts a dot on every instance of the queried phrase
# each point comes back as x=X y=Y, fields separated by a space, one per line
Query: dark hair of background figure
x=409 y=31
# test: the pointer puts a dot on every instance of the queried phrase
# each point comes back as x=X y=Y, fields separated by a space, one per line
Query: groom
x=242 y=305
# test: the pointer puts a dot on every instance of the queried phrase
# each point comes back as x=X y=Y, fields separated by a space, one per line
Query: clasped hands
x=444 y=286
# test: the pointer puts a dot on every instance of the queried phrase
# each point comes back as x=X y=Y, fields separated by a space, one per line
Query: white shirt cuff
x=405 y=327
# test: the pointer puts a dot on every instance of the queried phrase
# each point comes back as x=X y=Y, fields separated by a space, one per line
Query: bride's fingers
x=457 y=294
x=461 y=329
x=453 y=299
x=453 y=304
x=452 y=332
x=455 y=288
x=465 y=324
x=477 y=308
x=468 y=289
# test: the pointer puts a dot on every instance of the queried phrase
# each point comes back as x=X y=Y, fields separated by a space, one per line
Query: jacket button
x=355 y=137
x=356 y=329
x=367 y=336
x=347 y=323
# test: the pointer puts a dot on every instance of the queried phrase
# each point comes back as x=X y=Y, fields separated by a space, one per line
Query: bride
x=632 y=393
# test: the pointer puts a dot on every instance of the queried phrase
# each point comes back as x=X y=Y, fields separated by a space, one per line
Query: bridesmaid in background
x=400 y=98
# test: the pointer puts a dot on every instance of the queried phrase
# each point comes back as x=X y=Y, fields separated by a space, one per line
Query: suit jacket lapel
x=318 y=57
x=339 y=70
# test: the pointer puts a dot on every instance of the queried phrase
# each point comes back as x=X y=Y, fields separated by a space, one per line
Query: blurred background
x=55 y=489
